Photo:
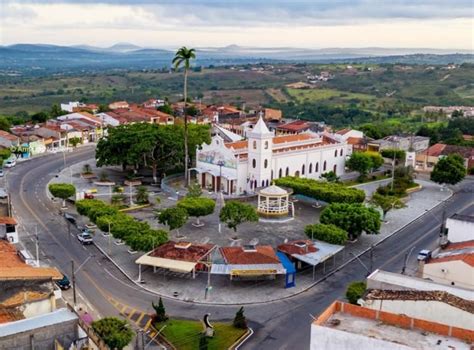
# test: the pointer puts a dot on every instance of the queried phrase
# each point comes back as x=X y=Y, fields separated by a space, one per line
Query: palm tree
x=182 y=58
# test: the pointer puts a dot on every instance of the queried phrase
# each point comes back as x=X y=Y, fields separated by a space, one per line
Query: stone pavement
x=224 y=291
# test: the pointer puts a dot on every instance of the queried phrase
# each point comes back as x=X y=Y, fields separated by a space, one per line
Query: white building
x=247 y=165
x=69 y=107
x=460 y=228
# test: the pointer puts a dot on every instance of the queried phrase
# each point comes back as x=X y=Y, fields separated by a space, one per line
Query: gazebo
x=273 y=201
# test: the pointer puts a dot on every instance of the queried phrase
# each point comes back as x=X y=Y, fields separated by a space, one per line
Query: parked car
x=70 y=218
x=85 y=237
x=10 y=163
x=64 y=283
x=424 y=255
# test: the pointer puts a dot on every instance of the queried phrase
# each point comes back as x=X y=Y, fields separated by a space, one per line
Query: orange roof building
x=244 y=166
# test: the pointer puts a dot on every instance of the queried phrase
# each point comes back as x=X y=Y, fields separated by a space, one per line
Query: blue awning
x=287 y=264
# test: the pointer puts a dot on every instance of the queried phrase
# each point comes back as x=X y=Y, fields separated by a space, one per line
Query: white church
x=241 y=167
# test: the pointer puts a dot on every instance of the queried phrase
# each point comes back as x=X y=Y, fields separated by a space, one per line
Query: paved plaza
x=224 y=291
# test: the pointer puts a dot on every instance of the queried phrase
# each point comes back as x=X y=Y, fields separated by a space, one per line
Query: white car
x=10 y=163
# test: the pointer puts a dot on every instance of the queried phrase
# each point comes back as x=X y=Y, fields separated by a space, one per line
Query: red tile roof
x=343 y=131
x=6 y=220
x=295 y=247
x=467 y=258
x=8 y=136
x=292 y=138
x=10 y=315
x=297 y=125
x=263 y=254
x=460 y=245
x=237 y=145
x=191 y=252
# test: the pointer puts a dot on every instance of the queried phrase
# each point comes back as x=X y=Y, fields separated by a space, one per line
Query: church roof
x=260 y=128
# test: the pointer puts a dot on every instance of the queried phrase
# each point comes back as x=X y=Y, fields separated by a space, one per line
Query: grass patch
x=185 y=334
x=311 y=95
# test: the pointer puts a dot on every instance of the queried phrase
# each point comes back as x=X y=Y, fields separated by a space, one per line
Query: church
x=240 y=167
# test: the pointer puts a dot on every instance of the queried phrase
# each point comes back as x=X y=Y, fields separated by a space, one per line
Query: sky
x=441 y=24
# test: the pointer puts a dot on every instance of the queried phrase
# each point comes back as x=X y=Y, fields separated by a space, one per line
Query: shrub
x=142 y=195
x=355 y=291
x=326 y=233
x=62 y=190
x=239 y=319
x=197 y=207
x=116 y=333
x=390 y=153
x=160 y=311
x=325 y=191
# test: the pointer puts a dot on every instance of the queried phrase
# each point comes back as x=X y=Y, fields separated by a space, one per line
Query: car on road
x=10 y=163
x=63 y=283
x=85 y=237
x=424 y=255
x=70 y=218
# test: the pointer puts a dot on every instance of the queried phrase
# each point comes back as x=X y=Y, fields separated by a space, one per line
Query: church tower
x=259 y=156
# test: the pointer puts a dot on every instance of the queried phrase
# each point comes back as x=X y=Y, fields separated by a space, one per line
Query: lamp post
x=220 y=164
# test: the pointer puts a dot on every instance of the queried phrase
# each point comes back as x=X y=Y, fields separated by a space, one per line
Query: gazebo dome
x=273 y=201
x=273 y=190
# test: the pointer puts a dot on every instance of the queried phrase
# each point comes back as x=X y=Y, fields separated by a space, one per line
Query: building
x=416 y=144
x=8 y=230
x=460 y=228
x=356 y=141
x=153 y=103
x=243 y=166
x=453 y=265
x=292 y=128
x=270 y=114
x=468 y=111
x=119 y=105
x=427 y=159
x=8 y=140
x=346 y=326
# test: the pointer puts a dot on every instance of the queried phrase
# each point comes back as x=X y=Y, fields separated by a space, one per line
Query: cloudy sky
x=447 y=24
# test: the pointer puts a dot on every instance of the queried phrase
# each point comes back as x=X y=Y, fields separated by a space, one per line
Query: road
x=283 y=324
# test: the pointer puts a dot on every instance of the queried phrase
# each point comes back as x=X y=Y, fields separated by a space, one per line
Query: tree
x=449 y=170
x=40 y=117
x=239 y=320
x=197 y=207
x=174 y=218
x=142 y=195
x=5 y=124
x=160 y=312
x=352 y=218
x=116 y=333
x=398 y=154
x=234 y=213
x=62 y=190
x=330 y=176
x=56 y=111
x=103 y=108
x=386 y=203
x=166 y=108
x=355 y=291
x=87 y=169
x=74 y=141
x=326 y=233
x=183 y=58
x=194 y=190
x=359 y=162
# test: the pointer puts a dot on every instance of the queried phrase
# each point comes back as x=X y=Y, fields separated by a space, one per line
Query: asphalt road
x=283 y=324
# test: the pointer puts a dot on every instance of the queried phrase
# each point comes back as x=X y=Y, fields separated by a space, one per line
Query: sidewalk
x=224 y=291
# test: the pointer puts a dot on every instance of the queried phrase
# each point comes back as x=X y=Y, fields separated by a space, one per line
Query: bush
x=116 y=333
x=239 y=319
x=325 y=191
x=197 y=207
x=390 y=153
x=355 y=291
x=326 y=233
x=62 y=190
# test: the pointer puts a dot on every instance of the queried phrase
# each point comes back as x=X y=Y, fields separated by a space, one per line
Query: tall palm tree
x=182 y=58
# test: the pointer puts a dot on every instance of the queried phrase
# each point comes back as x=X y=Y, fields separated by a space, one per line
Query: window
x=340 y=153
x=266 y=183
x=310 y=170
x=265 y=163
x=324 y=166
x=280 y=173
x=287 y=173
x=263 y=183
x=316 y=167
x=254 y=163
x=255 y=145
x=266 y=144
x=335 y=153
x=334 y=168
x=302 y=170
x=271 y=176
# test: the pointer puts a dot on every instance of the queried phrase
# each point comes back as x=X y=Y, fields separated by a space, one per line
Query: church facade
x=243 y=166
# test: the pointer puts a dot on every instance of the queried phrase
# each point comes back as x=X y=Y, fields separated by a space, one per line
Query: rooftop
x=400 y=330
x=263 y=254
x=312 y=257
x=22 y=297
x=297 y=125
x=273 y=190
x=467 y=258
x=7 y=220
x=440 y=149
x=10 y=315
x=183 y=251
x=300 y=247
x=8 y=136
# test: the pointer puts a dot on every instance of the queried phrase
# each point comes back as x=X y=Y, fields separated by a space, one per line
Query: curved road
x=278 y=325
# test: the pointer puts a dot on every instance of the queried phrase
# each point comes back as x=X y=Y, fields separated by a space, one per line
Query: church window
x=341 y=152
x=255 y=145
x=280 y=173
x=254 y=163
x=316 y=167
x=302 y=170
x=266 y=144
x=265 y=163
x=310 y=170
x=287 y=173
x=324 y=166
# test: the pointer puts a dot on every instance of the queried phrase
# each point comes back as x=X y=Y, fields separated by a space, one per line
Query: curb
x=242 y=340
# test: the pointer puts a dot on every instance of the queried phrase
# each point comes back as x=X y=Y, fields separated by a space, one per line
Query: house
x=8 y=231
x=69 y=107
x=460 y=228
x=248 y=261
x=107 y=119
x=119 y=105
x=416 y=144
x=347 y=326
x=292 y=128
x=356 y=141
x=271 y=114
x=467 y=111
x=426 y=160
x=8 y=140
x=153 y=103
x=223 y=112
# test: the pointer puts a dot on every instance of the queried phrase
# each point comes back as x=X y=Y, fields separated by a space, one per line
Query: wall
x=37 y=308
x=448 y=272
x=434 y=311
x=459 y=231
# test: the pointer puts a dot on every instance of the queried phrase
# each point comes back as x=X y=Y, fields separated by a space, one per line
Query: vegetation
x=450 y=133
x=398 y=154
x=183 y=59
x=449 y=170
x=86 y=169
x=138 y=235
x=74 y=141
x=330 y=176
x=5 y=124
x=363 y=162
x=197 y=207
x=160 y=312
x=174 y=217
x=327 y=233
x=5 y=153
x=386 y=203
x=62 y=190
x=117 y=200
x=324 y=191
x=235 y=213
x=194 y=190
x=353 y=218
x=239 y=320
x=355 y=291
x=403 y=180
x=141 y=196
x=116 y=333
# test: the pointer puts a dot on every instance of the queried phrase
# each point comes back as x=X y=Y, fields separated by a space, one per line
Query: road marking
x=140 y=318
x=131 y=313
x=122 y=311
x=148 y=324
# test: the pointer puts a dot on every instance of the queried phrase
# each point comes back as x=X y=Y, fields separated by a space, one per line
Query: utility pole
x=37 y=246
x=372 y=258
x=73 y=283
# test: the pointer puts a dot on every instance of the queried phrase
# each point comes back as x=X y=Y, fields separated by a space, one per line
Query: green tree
x=62 y=190
x=103 y=108
x=194 y=190
x=399 y=154
x=56 y=111
x=197 y=207
x=40 y=117
x=330 y=176
x=116 y=333
x=352 y=218
x=355 y=291
x=386 y=203
x=326 y=233
x=239 y=320
x=234 y=213
x=74 y=141
x=142 y=195
x=183 y=58
x=360 y=162
x=449 y=170
x=87 y=169
x=376 y=160
x=5 y=124
x=160 y=312
x=174 y=218
x=166 y=108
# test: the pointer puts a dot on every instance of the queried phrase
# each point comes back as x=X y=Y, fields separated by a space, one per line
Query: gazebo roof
x=273 y=190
